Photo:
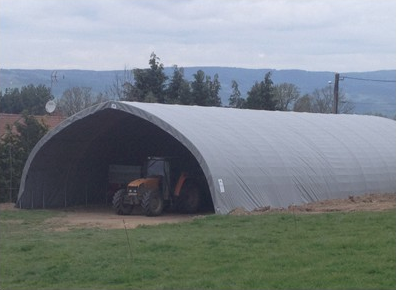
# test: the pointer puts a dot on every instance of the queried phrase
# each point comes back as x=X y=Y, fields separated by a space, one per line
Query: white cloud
x=339 y=35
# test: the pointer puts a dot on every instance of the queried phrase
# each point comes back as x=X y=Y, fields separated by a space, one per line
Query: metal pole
x=43 y=190
x=86 y=193
x=336 y=93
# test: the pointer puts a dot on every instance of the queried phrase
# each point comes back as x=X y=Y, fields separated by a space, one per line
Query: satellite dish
x=50 y=107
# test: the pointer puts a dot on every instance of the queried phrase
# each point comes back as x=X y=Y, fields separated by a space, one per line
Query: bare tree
x=100 y=98
x=121 y=86
x=321 y=101
x=285 y=94
x=303 y=104
x=74 y=100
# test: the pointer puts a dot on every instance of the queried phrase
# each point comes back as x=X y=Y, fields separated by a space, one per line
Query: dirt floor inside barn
x=104 y=217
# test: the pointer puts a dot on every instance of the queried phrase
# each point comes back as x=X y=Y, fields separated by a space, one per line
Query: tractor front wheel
x=152 y=203
x=118 y=203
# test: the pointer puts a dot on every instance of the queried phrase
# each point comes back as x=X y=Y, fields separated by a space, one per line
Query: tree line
x=152 y=85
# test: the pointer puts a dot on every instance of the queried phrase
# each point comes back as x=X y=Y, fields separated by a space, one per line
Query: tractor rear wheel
x=118 y=203
x=189 y=198
x=152 y=203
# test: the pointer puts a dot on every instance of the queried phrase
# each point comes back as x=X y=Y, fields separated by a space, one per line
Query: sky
x=314 y=35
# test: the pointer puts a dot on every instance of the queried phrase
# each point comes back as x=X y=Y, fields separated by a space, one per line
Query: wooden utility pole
x=336 y=94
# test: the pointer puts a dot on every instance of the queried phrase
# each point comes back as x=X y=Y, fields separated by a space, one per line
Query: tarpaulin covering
x=250 y=158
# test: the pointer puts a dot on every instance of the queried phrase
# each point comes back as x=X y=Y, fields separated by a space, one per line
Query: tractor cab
x=159 y=168
x=155 y=166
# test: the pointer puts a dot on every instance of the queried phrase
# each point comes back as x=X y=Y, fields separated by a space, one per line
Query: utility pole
x=336 y=94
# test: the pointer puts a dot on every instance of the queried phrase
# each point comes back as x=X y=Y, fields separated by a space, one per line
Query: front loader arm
x=180 y=183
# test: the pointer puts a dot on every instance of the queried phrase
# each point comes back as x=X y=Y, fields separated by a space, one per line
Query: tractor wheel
x=190 y=197
x=152 y=203
x=118 y=205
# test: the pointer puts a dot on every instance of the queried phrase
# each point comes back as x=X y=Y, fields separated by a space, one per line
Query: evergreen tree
x=261 y=95
x=235 y=99
x=15 y=148
x=214 y=87
x=199 y=89
x=31 y=99
x=178 y=90
x=10 y=166
x=205 y=92
x=150 y=82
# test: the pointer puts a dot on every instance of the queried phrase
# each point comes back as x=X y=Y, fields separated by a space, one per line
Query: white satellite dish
x=50 y=107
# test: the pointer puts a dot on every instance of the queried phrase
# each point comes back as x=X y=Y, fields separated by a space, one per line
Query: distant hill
x=363 y=89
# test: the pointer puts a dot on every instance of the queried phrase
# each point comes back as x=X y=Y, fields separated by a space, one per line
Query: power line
x=371 y=103
x=368 y=80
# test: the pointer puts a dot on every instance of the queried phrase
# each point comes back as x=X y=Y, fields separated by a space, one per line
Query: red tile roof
x=11 y=119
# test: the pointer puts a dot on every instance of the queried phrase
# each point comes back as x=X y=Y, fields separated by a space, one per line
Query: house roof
x=11 y=119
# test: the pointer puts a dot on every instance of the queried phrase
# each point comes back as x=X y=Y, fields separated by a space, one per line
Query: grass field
x=271 y=251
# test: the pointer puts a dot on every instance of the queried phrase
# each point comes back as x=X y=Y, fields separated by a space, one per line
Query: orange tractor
x=164 y=184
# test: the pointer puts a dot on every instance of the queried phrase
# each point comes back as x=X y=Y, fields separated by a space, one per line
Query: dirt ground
x=368 y=202
x=102 y=217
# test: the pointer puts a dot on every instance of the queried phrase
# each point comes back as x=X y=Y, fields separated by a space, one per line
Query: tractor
x=164 y=184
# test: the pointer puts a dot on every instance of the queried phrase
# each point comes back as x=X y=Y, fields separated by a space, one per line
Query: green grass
x=272 y=251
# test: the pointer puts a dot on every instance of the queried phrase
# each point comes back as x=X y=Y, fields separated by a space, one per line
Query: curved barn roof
x=250 y=158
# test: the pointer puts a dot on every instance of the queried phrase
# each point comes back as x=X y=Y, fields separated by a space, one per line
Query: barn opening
x=81 y=156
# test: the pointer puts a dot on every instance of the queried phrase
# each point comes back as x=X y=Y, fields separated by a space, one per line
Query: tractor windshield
x=155 y=167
